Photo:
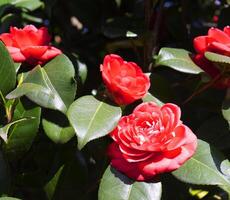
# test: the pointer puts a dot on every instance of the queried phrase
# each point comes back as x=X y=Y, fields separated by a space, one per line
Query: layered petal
x=29 y=45
x=124 y=80
x=150 y=141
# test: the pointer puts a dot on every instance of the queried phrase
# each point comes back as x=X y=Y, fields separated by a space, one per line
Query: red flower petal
x=34 y=52
x=50 y=53
x=220 y=48
x=16 y=54
x=227 y=30
x=124 y=80
x=7 y=39
x=218 y=35
x=201 y=43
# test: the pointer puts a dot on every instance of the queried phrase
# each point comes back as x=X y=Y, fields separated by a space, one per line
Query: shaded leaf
x=56 y=133
x=177 y=59
x=92 y=118
x=68 y=181
x=50 y=187
x=4 y=130
x=7 y=71
x=116 y=186
x=21 y=136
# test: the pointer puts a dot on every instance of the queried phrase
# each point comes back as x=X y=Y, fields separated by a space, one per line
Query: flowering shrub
x=113 y=112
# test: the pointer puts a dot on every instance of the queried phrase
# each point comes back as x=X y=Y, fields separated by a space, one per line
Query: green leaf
x=225 y=168
x=21 y=136
x=27 y=4
x=7 y=71
x=52 y=86
x=215 y=57
x=9 y=198
x=50 y=187
x=17 y=66
x=203 y=168
x=116 y=186
x=149 y=97
x=92 y=118
x=177 y=59
x=4 y=130
x=82 y=71
x=56 y=133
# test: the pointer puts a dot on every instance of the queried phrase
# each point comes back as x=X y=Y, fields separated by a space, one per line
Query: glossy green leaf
x=27 y=4
x=7 y=71
x=214 y=57
x=92 y=119
x=4 y=130
x=82 y=71
x=149 y=97
x=203 y=168
x=116 y=186
x=177 y=59
x=57 y=134
x=52 y=86
x=21 y=136
x=9 y=198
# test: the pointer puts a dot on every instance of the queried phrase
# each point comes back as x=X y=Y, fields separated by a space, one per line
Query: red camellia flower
x=124 y=80
x=150 y=141
x=216 y=41
x=29 y=45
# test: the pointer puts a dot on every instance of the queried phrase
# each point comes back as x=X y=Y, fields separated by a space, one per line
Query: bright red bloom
x=29 y=45
x=124 y=80
x=216 y=41
x=150 y=141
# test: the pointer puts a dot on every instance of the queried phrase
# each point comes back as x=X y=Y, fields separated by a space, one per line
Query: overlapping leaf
x=7 y=71
x=21 y=136
x=56 y=133
x=51 y=86
x=92 y=118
